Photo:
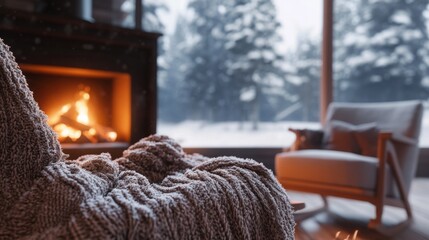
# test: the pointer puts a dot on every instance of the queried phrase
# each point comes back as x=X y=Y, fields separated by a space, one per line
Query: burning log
x=106 y=133
x=73 y=124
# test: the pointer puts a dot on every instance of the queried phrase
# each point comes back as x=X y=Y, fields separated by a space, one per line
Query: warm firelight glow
x=65 y=108
x=354 y=237
x=82 y=108
x=64 y=131
x=73 y=123
x=92 y=131
x=112 y=136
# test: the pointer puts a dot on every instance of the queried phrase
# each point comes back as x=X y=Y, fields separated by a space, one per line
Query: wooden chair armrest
x=397 y=137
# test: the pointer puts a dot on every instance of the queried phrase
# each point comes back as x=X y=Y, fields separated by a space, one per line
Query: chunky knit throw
x=155 y=191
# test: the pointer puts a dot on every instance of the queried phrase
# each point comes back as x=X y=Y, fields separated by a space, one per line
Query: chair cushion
x=339 y=136
x=367 y=139
x=360 y=139
x=327 y=167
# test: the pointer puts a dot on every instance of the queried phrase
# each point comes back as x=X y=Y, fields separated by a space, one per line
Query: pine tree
x=208 y=82
x=252 y=37
x=385 y=54
x=307 y=69
x=235 y=63
x=172 y=82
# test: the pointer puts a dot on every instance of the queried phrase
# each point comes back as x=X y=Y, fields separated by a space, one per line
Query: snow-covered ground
x=232 y=134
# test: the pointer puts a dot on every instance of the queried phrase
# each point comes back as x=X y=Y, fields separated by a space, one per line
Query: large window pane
x=382 y=52
x=238 y=73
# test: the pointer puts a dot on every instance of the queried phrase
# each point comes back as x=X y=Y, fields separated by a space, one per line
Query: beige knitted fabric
x=155 y=191
x=27 y=143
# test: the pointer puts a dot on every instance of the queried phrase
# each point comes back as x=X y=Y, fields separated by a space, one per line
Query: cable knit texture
x=27 y=143
x=155 y=191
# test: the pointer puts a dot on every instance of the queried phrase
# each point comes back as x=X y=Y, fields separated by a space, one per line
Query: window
x=381 y=52
x=247 y=69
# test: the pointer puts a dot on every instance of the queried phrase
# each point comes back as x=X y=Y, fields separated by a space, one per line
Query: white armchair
x=369 y=152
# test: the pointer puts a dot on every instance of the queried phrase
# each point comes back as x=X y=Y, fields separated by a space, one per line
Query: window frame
x=326 y=81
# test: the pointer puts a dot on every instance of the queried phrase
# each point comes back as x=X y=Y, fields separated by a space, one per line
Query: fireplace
x=96 y=83
x=105 y=96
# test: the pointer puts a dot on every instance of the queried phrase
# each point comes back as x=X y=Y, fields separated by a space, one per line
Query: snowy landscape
x=233 y=134
x=239 y=73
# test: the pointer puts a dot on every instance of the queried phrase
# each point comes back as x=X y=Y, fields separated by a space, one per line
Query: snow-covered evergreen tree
x=306 y=65
x=235 y=63
x=252 y=37
x=208 y=83
x=382 y=50
x=172 y=82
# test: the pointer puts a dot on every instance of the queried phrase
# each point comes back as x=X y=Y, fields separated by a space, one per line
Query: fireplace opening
x=87 y=108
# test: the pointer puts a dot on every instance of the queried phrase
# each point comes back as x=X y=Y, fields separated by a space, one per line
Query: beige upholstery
x=400 y=117
x=328 y=167
x=346 y=174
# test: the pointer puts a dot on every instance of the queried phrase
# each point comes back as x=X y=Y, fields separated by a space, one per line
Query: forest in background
x=222 y=63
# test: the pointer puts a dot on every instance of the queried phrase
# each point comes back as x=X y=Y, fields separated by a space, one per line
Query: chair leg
x=376 y=222
x=405 y=201
x=381 y=179
x=408 y=209
x=400 y=183
x=325 y=201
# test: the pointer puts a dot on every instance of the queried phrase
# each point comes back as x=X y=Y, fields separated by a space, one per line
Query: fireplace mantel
x=53 y=41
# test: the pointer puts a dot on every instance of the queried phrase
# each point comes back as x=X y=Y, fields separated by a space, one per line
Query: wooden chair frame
x=387 y=156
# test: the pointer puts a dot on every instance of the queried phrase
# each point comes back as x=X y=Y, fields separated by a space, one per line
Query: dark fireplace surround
x=71 y=48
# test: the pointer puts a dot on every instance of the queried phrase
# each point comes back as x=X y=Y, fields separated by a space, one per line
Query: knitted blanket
x=155 y=191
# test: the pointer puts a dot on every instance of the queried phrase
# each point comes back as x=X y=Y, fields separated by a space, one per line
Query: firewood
x=103 y=132
x=73 y=123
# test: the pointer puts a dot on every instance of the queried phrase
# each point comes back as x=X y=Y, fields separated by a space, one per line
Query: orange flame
x=81 y=117
x=82 y=108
